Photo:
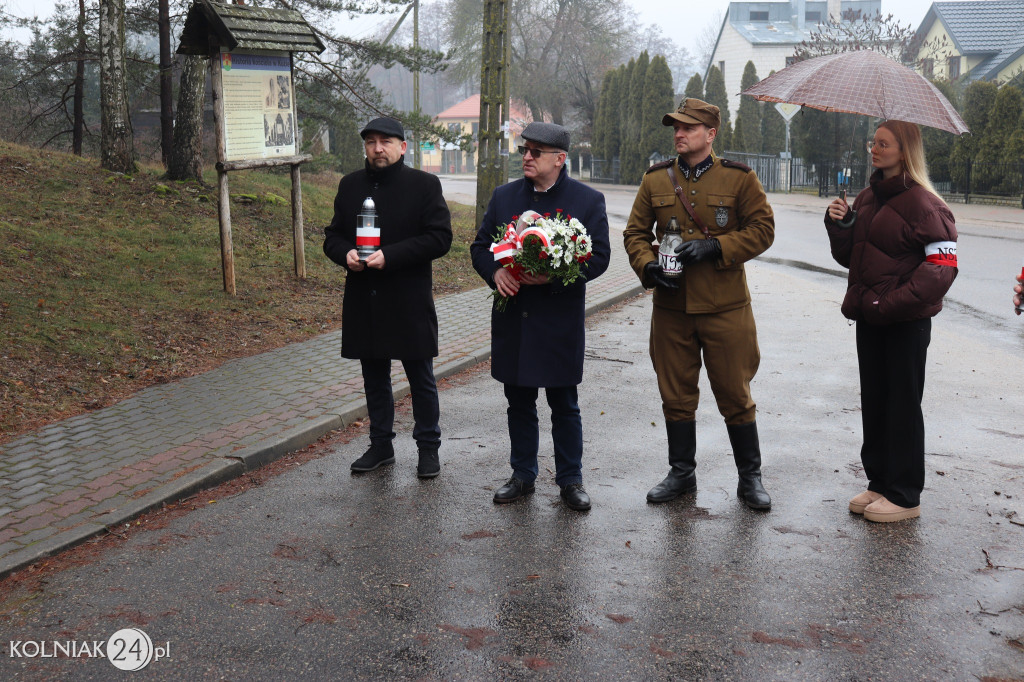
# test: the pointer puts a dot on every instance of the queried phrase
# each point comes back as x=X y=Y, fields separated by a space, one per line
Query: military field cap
x=550 y=134
x=693 y=110
x=384 y=125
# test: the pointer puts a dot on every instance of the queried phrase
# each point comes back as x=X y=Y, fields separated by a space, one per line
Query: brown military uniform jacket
x=730 y=201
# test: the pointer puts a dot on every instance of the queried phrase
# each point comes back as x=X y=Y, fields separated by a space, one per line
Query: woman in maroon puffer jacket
x=899 y=242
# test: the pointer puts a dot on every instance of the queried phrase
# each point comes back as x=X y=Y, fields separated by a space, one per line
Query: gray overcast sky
x=682 y=20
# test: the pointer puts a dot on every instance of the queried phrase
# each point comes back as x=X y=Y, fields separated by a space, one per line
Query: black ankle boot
x=682 y=452
x=378 y=454
x=747 y=452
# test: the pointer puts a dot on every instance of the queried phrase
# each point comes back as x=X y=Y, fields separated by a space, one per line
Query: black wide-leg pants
x=892 y=367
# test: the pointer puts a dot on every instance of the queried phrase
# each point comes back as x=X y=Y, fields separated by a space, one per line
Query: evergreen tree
x=748 y=137
x=695 y=87
x=599 y=137
x=657 y=101
x=625 y=134
x=978 y=101
x=613 y=141
x=830 y=138
x=938 y=144
x=773 y=129
x=1003 y=121
x=714 y=93
x=633 y=161
x=1014 y=149
x=737 y=137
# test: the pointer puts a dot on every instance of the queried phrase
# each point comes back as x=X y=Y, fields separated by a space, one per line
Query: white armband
x=941 y=253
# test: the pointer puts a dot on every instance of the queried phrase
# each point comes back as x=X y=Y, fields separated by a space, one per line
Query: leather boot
x=682 y=452
x=747 y=453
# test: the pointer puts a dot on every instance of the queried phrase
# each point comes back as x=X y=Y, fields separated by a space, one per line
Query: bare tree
x=186 y=158
x=560 y=51
x=117 y=149
x=707 y=40
x=78 y=105
x=857 y=31
x=166 y=81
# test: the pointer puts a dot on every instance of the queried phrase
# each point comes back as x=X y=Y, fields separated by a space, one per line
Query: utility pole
x=417 y=154
x=492 y=169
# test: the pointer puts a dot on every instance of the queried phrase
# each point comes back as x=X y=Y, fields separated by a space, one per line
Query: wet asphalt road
x=326 y=575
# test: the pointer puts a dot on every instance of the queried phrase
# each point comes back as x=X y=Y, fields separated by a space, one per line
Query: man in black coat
x=537 y=341
x=388 y=311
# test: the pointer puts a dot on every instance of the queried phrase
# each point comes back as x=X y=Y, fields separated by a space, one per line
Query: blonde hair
x=908 y=137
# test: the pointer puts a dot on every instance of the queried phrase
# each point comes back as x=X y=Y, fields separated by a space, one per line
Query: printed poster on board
x=259 y=107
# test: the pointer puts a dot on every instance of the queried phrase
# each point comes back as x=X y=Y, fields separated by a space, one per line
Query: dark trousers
x=566 y=432
x=892 y=361
x=380 y=401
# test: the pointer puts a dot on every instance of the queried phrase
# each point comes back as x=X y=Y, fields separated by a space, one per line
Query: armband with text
x=941 y=253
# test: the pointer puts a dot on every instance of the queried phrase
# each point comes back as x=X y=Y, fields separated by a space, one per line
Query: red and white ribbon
x=535 y=231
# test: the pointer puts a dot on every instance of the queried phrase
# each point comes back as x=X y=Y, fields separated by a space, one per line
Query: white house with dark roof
x=984 y=40
x=767 y=34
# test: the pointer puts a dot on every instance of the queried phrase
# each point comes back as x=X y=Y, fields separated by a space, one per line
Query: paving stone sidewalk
x=75 y=478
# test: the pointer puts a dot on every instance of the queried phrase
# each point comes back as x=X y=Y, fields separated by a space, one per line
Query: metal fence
x=972 y=182
x=605 y=171
x=991 y=183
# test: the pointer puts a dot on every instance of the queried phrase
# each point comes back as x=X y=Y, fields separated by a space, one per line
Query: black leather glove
x=654 y=273
x=697 y=250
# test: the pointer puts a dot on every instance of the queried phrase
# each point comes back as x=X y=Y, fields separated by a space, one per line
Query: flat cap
x=551 y=134
x=384 y=125
x=693 y=110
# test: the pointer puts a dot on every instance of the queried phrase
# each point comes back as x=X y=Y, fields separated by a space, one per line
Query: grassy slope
x=111 y=283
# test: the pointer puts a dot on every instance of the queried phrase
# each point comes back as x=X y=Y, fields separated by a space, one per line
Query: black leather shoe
x=429 y=465
x=378 y=455
x=512 y=491
x=575 y=497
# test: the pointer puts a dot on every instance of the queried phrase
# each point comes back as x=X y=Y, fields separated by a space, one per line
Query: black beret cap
x=550 y=134
x=385 y=126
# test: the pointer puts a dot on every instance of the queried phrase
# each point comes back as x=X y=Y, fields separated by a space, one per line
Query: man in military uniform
x=705 y=313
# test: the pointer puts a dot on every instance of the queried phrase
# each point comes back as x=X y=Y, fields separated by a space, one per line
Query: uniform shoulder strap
x=663 y=164
x=736 y=164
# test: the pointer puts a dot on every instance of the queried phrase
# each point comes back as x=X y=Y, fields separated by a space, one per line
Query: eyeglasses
x=535 y=153
x=882 y=146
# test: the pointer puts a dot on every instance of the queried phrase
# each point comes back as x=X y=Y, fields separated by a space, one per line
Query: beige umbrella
x=861 y=82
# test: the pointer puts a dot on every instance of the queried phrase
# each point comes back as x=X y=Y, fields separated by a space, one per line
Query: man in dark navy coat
x=388 y=311
x=537 y=341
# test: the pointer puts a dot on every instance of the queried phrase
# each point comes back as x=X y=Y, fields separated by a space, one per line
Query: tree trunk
x=166 y=83
x=117 y=151
x=186 y=158
x=78 y=115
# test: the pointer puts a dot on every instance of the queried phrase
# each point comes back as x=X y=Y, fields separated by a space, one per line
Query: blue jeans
x=380 y=401
x=566 y=432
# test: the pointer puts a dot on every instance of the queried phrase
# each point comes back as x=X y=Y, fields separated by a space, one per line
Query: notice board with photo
x=259 y=105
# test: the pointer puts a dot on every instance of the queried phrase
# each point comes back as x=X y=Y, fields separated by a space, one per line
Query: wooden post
x=227 y=256
x=300 y=245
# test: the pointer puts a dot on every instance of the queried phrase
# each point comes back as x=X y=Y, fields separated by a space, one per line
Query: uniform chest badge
x=721 y=216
